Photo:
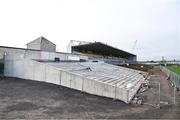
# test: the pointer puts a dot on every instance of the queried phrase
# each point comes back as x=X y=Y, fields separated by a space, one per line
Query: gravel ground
x=26 y=99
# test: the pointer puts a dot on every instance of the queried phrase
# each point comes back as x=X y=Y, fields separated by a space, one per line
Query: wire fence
x=173 y=76
x=153 y=94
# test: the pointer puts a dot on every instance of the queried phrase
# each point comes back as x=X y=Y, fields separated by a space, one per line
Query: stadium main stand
x=103 y=52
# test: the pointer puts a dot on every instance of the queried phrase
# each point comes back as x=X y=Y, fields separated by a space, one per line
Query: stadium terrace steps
x=115 y=76
x=102 y=72
x=95 y=78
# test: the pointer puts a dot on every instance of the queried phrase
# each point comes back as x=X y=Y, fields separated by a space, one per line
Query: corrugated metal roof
x=99 y=47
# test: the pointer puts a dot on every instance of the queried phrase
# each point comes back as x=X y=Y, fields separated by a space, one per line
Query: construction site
x=92 y=80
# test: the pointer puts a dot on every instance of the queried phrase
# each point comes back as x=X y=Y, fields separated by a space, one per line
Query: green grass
x=175 y=69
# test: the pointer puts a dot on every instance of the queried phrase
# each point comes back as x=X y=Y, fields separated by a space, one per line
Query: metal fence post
x=174 y=94
x=159 y=93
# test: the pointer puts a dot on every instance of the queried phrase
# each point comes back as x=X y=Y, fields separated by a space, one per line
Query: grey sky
x=154 y=23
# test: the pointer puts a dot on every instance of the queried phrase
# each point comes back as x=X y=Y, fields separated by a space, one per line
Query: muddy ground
x=142 y=67
x=26 y=99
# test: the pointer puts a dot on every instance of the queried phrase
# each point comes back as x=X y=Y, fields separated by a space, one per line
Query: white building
x=42 y=44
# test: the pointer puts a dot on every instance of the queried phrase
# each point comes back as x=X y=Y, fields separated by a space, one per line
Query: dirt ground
x=26 y=99
x=142 y=67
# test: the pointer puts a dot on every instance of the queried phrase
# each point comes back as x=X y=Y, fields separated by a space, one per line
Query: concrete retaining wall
x=33 y=70
x=1 y=63
x=19 y=53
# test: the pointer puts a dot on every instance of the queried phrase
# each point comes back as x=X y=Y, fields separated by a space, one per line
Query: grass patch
x=175 y=69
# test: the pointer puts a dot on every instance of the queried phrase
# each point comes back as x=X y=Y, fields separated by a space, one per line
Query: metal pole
x=174 y=94
x=159 y=93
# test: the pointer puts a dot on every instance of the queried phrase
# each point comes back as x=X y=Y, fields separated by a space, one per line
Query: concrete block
x=76 y=82
x=52 y=75
x=65 y=79
x=29 y=69
x=8 y=68
x=39 y=72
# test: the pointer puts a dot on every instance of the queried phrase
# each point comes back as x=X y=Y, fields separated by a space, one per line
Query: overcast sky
x=154 y=23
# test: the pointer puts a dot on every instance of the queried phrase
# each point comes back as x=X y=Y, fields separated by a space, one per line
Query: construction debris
x=139 y=98
x=145 y=86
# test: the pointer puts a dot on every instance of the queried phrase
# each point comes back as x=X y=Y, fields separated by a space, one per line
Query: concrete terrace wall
x=33 y=70
x=13 y=53
x=51 y=56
